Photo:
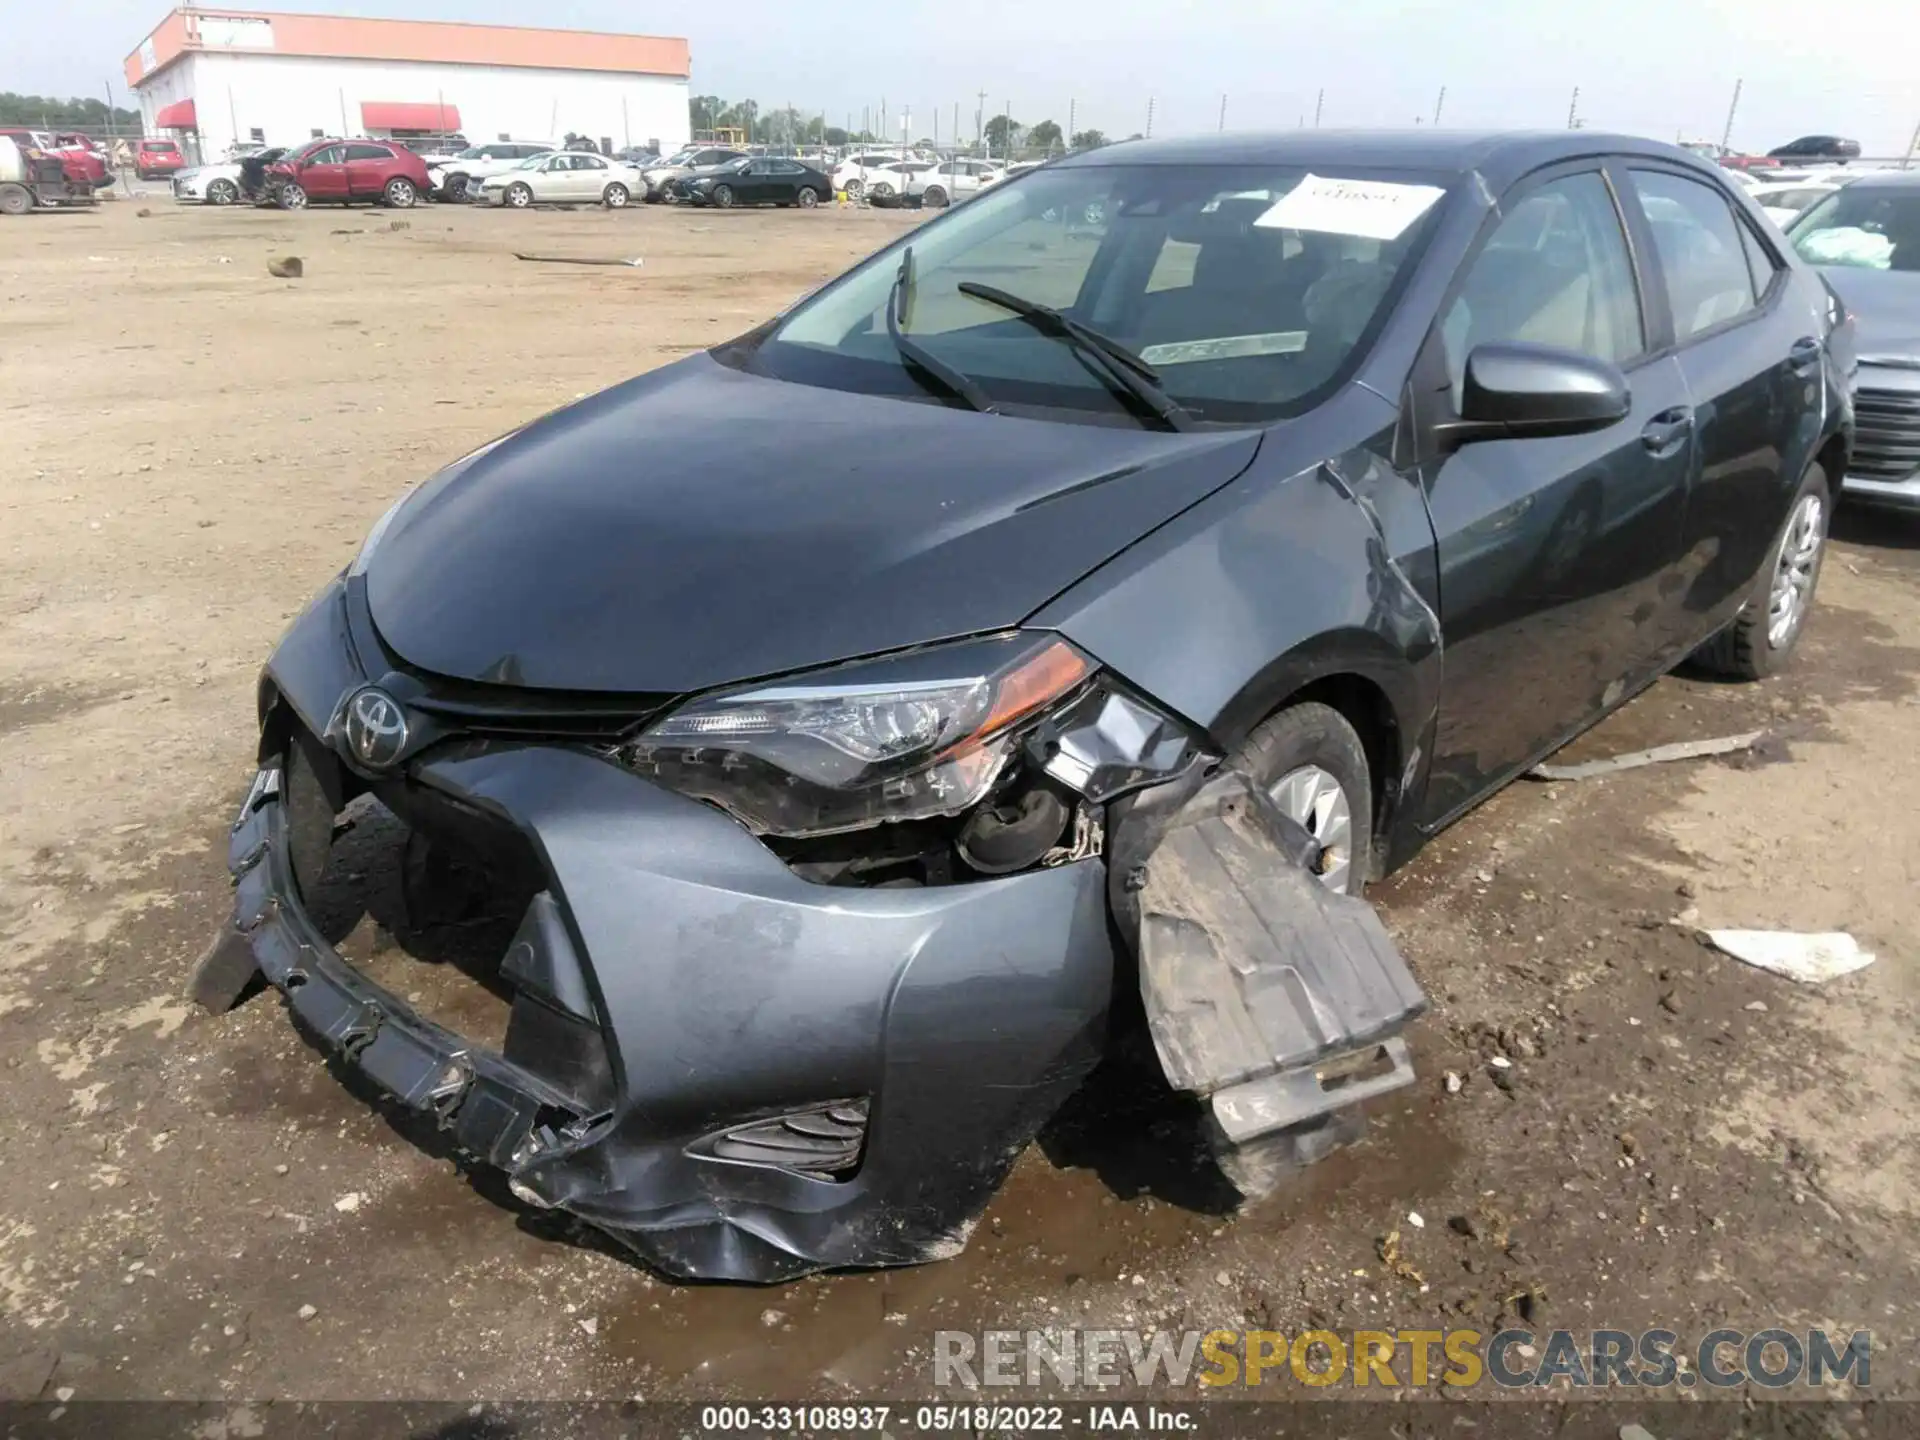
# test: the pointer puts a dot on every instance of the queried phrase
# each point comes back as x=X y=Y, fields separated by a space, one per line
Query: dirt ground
x=197 y=1207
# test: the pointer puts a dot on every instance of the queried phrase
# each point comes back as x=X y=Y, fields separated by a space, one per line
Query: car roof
x=1888 y=179
x=1496 y=153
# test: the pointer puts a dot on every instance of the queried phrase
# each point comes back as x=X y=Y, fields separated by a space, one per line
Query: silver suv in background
x=1865 y=239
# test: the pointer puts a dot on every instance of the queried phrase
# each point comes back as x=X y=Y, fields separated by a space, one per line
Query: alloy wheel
x=1795 y=572
x=1317 y=802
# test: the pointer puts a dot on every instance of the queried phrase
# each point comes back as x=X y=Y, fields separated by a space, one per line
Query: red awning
x=396 y=115
x=177 y=116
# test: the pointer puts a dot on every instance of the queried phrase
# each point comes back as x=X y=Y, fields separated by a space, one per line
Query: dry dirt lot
x=197 y=1207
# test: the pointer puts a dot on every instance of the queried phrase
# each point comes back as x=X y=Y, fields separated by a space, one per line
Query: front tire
x=723 y=196
x=935 y=197
x=519 y=196
x=15 y=200
x=1314 y=766
x=400 y=193
x=292 y=196
x=1765 y=631
x=854 y=188
x=222 y=192
x=615 y=197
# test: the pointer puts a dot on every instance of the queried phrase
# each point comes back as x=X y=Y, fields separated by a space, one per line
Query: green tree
x=1044 y=136
x=38 y=111
x=834 y=135
x=1001 y=130
x=1088 y=140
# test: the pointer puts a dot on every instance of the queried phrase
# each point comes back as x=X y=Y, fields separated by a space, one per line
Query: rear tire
x=854 y=188
x=935 y=196
x=1314 y=765
x=615 y=197
x=15 y=200
x=400 y=193
x=1764 y=633
x=807 y=198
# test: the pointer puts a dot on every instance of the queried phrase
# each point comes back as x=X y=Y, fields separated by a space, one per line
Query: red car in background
x=80 y=164
x=152 y=158
x=343 y=171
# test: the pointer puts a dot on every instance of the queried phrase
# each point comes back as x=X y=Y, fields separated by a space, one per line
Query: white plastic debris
x=1809 y=959
x=1416 y=1220
x=1500 y=1062
x=1658 y=755
x=349 y=1202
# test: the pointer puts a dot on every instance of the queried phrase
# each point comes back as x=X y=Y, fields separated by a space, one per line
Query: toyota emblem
x=376 y=728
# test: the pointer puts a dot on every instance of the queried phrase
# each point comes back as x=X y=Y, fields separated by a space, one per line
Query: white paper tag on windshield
x=1368 y=209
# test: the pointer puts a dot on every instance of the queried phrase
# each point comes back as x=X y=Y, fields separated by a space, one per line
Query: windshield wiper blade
x=917 y=356
x=1119 y=365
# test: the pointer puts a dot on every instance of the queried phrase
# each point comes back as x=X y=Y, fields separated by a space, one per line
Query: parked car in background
x=755 y=180
x=638 y=156
x=342 y=171
x=1722 y=155
x=80 y=162
x=1817 y=147
x=884 y=182
x=1122 y=631
x=448 y=178
x=1783 y=200
x=692 y=157
x=952 y=180
x=565 y=177
x=31 y=177
x=242 y=178
x=157 y=158
x=1865 y=239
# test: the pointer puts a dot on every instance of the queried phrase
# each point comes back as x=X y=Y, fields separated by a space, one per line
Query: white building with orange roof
x=214 y=78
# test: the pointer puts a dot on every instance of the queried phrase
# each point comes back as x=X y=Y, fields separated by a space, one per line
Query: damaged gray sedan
x=1036 y=637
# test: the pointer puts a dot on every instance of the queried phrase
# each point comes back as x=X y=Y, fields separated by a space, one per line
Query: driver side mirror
x=1518 y=391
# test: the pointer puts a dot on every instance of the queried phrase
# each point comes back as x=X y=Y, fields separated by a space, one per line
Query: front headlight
x=904 y=737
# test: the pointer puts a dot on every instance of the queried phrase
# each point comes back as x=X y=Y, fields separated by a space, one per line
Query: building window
x=258 y=135
x=317 y=134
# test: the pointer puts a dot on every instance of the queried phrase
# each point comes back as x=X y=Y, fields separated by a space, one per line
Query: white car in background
x=477 y=162
x=1784 y=200
x=860 y=172
x=221 y=184
x=564 y=177
x=953 y=180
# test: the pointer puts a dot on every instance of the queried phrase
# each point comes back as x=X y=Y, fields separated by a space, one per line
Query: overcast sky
x=1656 y=67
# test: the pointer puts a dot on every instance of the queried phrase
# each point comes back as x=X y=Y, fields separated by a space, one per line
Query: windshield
x=1250 y=293
x=1869 y=227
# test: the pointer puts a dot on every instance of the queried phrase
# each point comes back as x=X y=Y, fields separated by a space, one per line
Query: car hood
x=699 y=526
x=1886 y=308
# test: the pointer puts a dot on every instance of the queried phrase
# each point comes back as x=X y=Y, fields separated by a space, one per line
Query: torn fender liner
x=1269 y=995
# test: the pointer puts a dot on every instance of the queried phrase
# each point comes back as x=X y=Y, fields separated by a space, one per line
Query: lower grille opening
x=422 y=915
x=822 y=1142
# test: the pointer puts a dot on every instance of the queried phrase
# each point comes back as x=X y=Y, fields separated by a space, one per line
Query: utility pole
x=1439 y=104
x=1318 y=106
x=1726 y=135
x=1149 y=117
x=1072 y=107
x=979 y=119
x=1223 y=112
x=1573 y=110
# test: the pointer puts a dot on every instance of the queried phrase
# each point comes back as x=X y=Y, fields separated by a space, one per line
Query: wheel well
x=1833 y=460
x=1364 y=705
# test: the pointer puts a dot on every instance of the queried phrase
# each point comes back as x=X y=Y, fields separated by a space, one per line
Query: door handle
x=1804 y=355
x=1666 y=430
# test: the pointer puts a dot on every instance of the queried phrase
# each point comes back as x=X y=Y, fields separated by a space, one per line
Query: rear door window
x=1700 y=250
x=368 y=152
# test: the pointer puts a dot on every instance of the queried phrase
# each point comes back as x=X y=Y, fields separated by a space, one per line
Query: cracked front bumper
x=681 y=981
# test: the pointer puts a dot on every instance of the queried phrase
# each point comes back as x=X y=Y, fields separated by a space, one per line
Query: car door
x=562 y=178
x=323 y=174
x=1747 y=354
x=366 y=170
x=1553 y=552
x=588 y=180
